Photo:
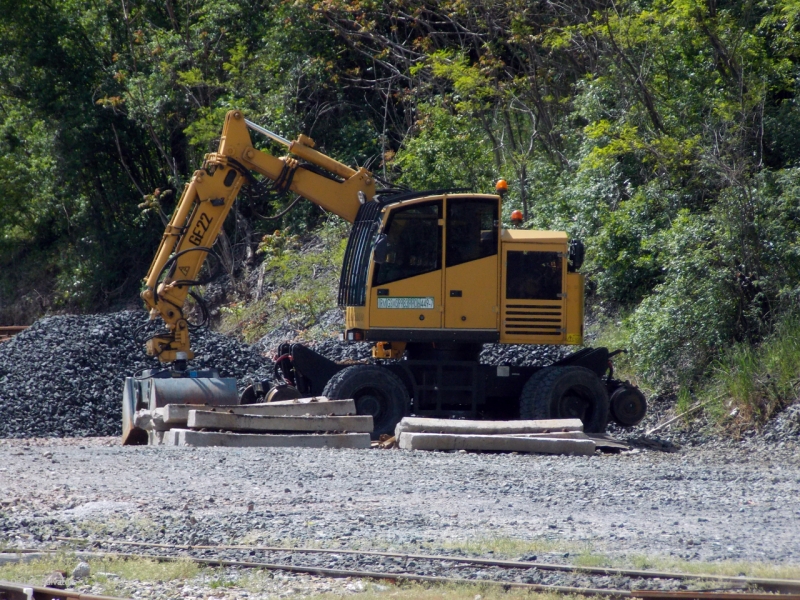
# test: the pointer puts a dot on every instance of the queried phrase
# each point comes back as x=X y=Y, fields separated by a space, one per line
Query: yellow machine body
x=522 y=292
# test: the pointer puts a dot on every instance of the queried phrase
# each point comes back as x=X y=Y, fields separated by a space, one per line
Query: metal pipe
x=267 y=132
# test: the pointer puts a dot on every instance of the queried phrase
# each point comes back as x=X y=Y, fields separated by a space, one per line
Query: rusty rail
x=23 y=591
x=9 y=331
x=787 y=587
x=400 y=577
x=531 y=587
x=700 y=595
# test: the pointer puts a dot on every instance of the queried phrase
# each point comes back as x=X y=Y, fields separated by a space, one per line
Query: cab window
x=471 y=229
x=414 y=243
x=533 y=275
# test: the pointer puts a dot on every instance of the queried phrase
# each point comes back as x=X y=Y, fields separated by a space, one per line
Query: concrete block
x=601 y=440
x=217 y=420
x=150 y=420
x=422 y=425
x=563 y=435
x=184 y=437
x=155 y=437
x=177 y=414
x=497 y=443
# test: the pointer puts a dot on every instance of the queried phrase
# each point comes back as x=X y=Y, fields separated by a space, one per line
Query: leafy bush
x=300 y=277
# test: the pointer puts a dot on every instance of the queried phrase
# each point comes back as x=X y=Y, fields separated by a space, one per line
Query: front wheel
x=376 y=391
x=566 y=393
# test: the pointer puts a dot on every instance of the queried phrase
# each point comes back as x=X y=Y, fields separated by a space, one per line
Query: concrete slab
x=185 y=437
x=217 y=420
x=497 y=443
x=177 y=414
x=601 y=440
x=155 y=438
x=605 y=441
x=563 y=435
x=423 y=425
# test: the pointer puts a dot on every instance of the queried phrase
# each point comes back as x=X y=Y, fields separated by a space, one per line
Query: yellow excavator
x=428 y=278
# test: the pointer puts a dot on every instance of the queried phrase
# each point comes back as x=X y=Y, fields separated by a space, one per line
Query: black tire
x=566 y=393
x=376 y=391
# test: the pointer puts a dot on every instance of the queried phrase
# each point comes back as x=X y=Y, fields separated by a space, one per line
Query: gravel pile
x=786 y=425
x=519 y=355
x=492 y=354
x=331 y=323
x=63 y=376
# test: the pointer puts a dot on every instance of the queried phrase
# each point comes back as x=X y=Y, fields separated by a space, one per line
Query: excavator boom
x=189 y=237
x=206 y=201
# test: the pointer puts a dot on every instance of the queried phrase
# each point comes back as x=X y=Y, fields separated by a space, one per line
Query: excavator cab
x=442 y=270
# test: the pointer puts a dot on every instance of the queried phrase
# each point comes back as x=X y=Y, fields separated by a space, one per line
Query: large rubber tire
x=376 y=391
x=566 y=393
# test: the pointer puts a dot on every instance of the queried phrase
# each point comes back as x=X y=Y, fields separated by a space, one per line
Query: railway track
x=9 y=331
x=534 y=576
x=23 y=591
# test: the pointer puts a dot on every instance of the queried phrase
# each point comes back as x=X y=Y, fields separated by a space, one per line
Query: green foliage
x=749 y=384
x=688 y=318
x=302 y=274
x=726 y=274
x=103 y=104
x=448 y=151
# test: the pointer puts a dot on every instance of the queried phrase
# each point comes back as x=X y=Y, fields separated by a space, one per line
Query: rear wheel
x=376 y=391
x=566 y=393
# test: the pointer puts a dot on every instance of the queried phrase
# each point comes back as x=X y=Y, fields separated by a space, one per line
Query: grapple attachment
x=157 y=389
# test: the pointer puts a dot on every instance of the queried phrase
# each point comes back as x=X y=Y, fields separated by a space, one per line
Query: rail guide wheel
x=628 y=405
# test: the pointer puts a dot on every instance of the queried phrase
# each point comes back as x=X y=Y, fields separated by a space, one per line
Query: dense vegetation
x=665 y=133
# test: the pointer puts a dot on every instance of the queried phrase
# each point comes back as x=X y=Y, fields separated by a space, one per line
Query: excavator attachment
x=156 y=389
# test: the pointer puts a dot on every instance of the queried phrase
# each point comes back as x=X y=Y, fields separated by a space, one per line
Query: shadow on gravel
x=653 y=443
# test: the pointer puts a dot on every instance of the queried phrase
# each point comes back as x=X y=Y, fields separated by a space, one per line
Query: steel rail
x=707 y=595
x=400 y=577
x=329 y=572
x=777 y=585
x=9 y=331
x=23 y=591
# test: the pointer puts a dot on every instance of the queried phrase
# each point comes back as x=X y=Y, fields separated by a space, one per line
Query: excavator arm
x=206 y=201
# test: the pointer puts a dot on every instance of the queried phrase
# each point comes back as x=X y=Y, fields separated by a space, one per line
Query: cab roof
x=414 y=197
x=533 y=236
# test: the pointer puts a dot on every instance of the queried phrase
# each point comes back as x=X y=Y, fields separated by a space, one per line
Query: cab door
x=471 y=263
x=406 y=289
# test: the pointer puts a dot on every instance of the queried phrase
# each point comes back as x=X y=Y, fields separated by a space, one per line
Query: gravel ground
x=706 y=499
x=63 y=376
x=713 y=504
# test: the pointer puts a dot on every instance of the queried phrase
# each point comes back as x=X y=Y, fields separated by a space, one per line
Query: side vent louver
x=534 y=318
